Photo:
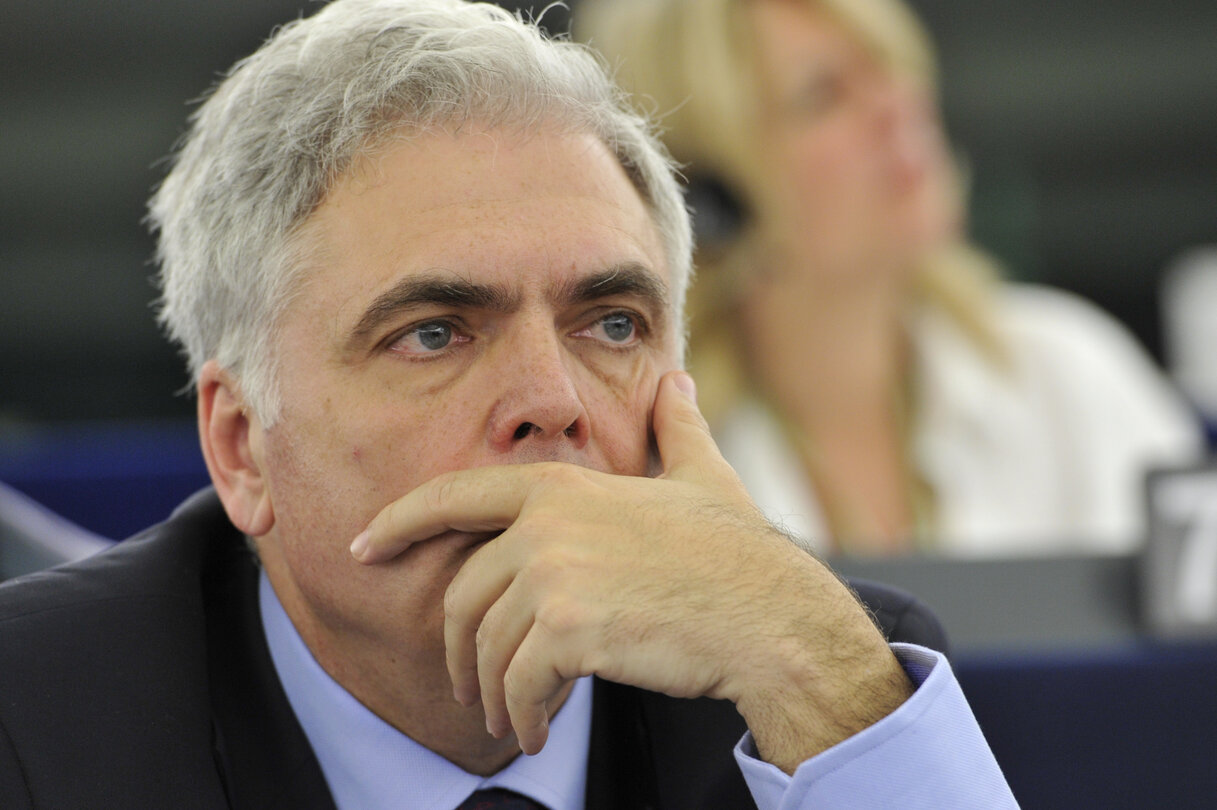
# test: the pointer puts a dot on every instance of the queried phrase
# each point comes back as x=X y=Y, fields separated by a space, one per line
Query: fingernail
x=686 y=385
x=536 y=740
x=360 y=546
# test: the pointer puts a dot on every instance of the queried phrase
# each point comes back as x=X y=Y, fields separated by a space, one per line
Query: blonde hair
x=692 y=65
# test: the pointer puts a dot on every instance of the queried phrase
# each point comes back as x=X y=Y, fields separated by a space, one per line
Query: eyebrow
x=629 y=279
x=429 y=290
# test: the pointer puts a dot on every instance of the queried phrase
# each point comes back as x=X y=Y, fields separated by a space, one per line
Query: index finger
x=481 y=499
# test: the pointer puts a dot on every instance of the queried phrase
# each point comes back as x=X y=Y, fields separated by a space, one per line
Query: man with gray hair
x=428 y=273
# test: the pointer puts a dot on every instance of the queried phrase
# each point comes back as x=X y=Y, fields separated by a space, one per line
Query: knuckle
x=556 y=475
x=598 y=661
x=558 y=578
x=541 y=535
x=439 y=493
x=392 y=515
x=693 y=418
x=547 y=567
x=546 y=476
x=543 y=528
x=515 y=684
x=454 y=606
x=561 y=616
x=481 y=639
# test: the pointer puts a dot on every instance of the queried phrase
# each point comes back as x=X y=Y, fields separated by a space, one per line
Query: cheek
x=331 y=499
x=831 y=168
x=393 y=450
x=620 y=415
x=341 y=463
x=813 y=180
x=315 y=490
x=942 y=204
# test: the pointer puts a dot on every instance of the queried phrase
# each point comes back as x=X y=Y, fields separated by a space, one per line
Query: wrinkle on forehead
x=421 y=205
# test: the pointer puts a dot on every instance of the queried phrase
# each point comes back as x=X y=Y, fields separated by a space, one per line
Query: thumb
x=686 y=448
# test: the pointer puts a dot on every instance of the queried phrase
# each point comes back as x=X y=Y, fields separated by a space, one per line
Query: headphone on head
x=720 y=213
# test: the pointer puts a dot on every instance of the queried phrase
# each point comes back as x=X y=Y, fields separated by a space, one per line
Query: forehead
x=486 y=204
x=796 y=30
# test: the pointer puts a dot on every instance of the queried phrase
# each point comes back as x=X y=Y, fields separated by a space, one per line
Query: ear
x=231 y=438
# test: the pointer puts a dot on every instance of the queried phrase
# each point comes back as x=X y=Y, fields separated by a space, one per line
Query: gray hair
x=263 y=150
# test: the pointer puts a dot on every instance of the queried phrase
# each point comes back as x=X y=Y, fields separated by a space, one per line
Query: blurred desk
x=1022 y=603
x=1131 y=727
x=1080 y=707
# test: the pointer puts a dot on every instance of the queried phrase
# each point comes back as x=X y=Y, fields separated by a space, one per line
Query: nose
x=889 y=104
x=539 y=405
x=905 y=100
x=905 y=123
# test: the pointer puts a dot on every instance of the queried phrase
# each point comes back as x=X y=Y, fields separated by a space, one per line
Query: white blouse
x=1048 y=456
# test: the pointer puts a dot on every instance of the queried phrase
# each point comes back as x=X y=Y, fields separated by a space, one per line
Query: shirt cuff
x=928 y=753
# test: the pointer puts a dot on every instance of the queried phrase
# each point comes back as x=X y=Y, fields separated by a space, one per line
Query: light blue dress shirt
x=369 y=765
x=929 y=753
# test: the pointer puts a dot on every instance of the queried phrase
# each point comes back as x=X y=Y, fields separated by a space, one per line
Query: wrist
x=810 y=704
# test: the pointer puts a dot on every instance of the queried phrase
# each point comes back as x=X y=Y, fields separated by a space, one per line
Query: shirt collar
x=368 y=764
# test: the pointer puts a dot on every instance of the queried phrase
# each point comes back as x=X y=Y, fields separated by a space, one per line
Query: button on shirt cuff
x=929 y=753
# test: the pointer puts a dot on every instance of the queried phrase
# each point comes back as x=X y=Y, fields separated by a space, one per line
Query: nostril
x=524 y=430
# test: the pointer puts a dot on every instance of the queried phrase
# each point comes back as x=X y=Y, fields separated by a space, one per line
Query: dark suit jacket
x=140 y=678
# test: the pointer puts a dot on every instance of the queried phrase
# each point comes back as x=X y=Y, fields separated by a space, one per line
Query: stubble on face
x=364 y=422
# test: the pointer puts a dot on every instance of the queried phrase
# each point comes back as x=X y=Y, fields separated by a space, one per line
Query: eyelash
x=460 y=334
x=641 y=328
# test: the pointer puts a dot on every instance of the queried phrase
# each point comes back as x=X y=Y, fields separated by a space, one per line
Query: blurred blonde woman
x=877 y=387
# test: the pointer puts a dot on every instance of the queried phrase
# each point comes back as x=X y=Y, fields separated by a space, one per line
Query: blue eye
x=618 y=327
x=433 y=336
x=428 y=338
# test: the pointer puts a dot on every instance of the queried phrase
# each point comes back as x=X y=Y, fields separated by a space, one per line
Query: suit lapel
x=621 y=767
x=260 y=749
x=653 y=751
